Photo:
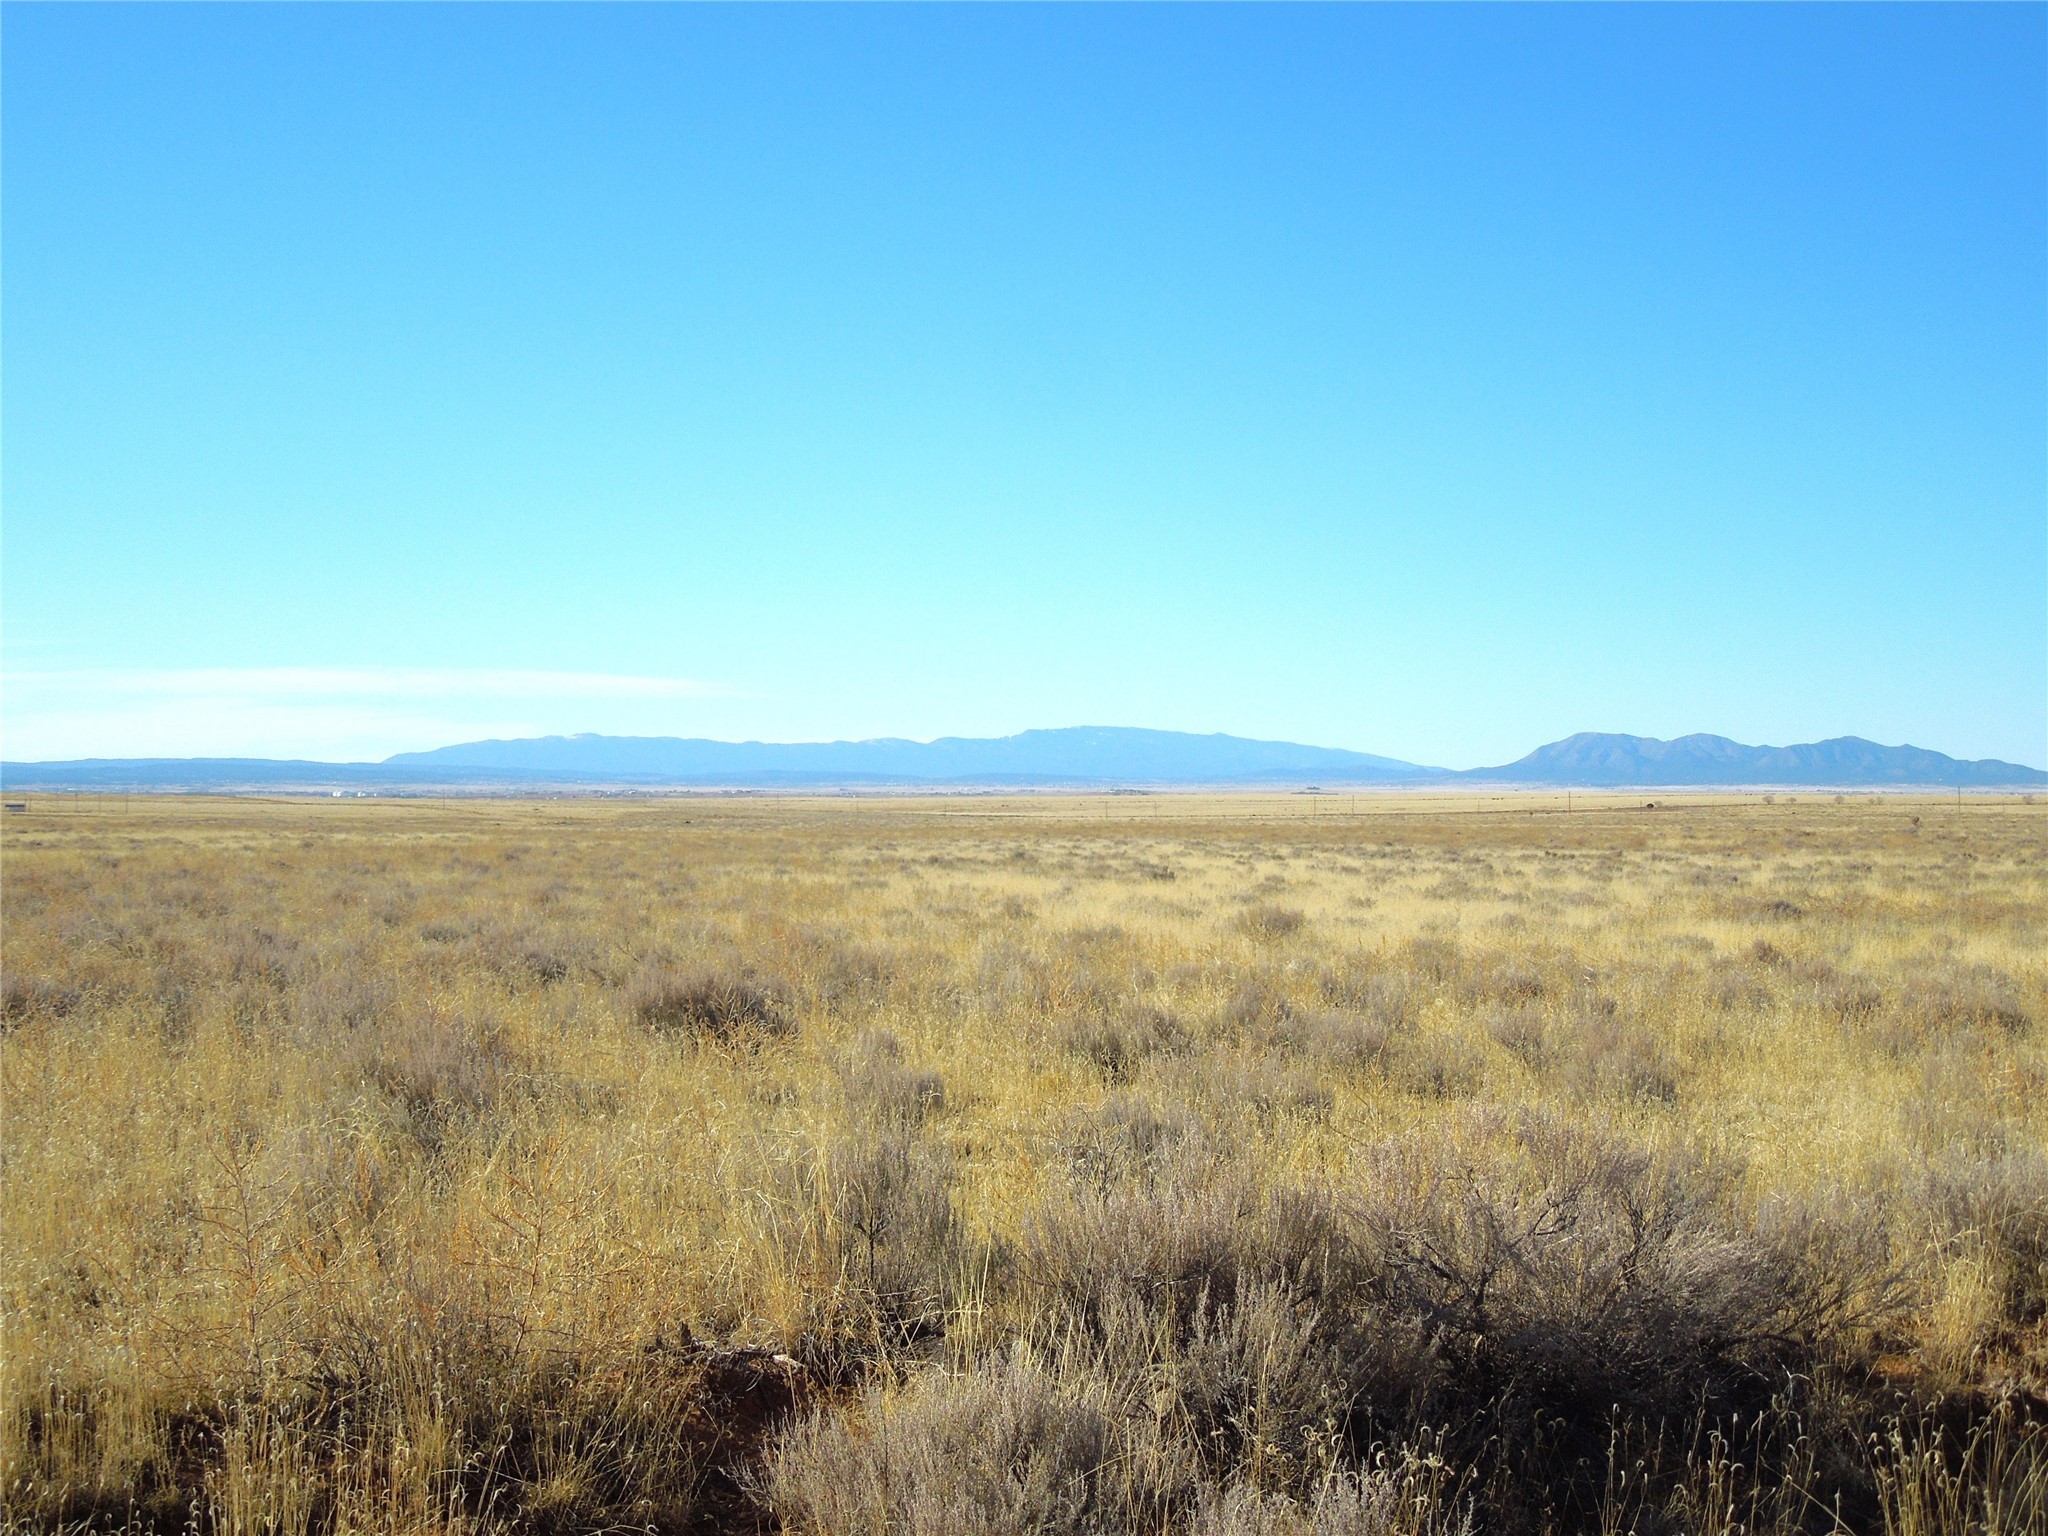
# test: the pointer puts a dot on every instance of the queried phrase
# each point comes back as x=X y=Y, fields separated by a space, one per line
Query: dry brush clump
x=862 y=1167
x=1007 y=1446
x=705 y=1004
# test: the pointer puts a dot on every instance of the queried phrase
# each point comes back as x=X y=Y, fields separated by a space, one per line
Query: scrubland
x=1227 y=1167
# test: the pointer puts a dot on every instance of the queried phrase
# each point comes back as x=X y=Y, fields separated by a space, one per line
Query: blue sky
x=1432 y=382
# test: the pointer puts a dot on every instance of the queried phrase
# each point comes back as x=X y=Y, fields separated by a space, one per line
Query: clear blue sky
x=1433 y=382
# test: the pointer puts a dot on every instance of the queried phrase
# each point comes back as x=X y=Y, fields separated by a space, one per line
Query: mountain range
x=1079 y=756
x=1596 y=759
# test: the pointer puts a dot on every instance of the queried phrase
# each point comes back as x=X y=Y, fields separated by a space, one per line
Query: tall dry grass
x=1161 y=1165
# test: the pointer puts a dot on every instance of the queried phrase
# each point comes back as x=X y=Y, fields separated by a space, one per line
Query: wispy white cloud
x=331 y=713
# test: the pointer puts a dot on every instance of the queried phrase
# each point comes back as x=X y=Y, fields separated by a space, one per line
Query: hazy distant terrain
x=1080 y=753
x=1597 y=759
x=1075 y=757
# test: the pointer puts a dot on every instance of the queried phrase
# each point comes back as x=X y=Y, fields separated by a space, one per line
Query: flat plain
x=1221 y=1164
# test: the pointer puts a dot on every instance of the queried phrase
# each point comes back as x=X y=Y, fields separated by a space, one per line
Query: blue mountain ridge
x=1596 y=759
x=1086 y=753
x=1075 y=756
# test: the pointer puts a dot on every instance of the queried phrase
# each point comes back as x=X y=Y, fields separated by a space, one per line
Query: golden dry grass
x=399 y=1166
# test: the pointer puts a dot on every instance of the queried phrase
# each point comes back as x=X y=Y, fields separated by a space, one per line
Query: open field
x=1233 y=1165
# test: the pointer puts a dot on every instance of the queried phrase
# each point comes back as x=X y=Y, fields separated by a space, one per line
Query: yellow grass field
x=1233 y=1165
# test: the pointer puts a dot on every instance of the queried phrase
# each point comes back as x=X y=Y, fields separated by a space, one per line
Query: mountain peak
x=1599 y=758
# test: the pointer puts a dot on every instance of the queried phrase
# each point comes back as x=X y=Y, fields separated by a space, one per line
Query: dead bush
x=1245 y=1509
x=339 y=1002
x=1411 y=1491
x=1256 y=1006
x=1004 y=1449
x=705 y=1005
x=1608 y=1057
x=1586 y=1277
x=1265 y=920
x=522 y=952
x=1439 y=961
x=1962 y=996
x=23 y=997
x=1732 y=989
x=1259 y=1383
x=1590 y=1045
x=1128 y=1139
x=252 y=952
x=434 y=1069
x=1173 y=1247
x=1431 y=1066
x=843 y=971
x=1843 y=994
x=1341 y=1041
x=1008 y=974
x=879 y=1088
x=1226 y=1316
x=1998 y=1205
x=1502 y=978
x=1081 y=978
x=1523 y=1031
x=1117 y=1043
x=1257 y=1083
x=890 y=1223
x=1411 y=1494
x=1383 y=999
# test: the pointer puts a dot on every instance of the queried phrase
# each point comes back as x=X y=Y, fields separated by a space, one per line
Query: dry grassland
x=1235 y=1167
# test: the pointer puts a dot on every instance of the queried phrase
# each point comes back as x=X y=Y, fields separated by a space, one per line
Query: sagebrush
x=1159 y=1165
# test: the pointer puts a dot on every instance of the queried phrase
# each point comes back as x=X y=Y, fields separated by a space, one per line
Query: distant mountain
x=1079 y=754
x=1596 y=759
x=1082 y=756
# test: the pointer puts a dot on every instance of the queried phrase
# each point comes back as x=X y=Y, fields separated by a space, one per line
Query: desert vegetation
x=1221 y=1167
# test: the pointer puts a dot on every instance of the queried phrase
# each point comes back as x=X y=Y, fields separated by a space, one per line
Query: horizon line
x=856 y=741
